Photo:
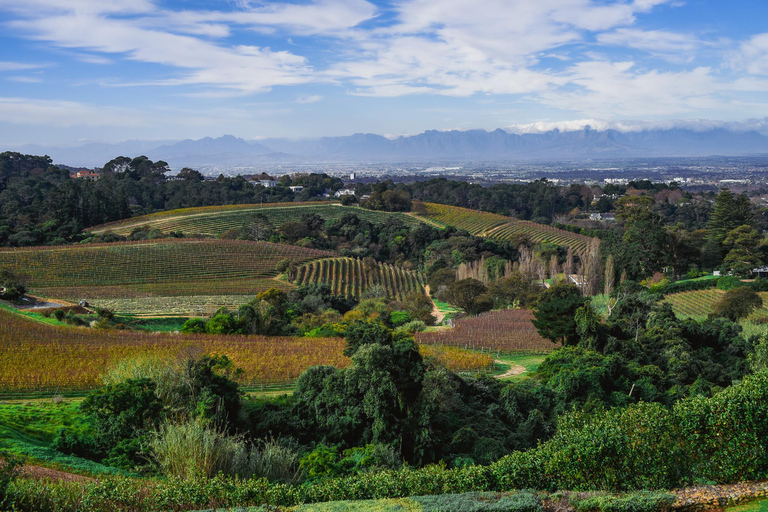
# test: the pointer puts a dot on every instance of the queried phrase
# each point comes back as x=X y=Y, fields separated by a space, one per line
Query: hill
x=215 y=220
x=132 y=273
x=491 y=225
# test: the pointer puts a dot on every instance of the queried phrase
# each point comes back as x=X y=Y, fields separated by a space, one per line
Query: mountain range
x=432 y=145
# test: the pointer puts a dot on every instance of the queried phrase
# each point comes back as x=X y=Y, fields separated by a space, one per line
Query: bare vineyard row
x=351 y=277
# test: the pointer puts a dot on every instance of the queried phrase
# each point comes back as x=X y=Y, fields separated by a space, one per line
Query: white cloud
x=25 y=79
x=753 y=55
x=309 y=99
x=617 y=89
x=630 y=126
x=17 y=66
x=247 y=68
x=656 y=41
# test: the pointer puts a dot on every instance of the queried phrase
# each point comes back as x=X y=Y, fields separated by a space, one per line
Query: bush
x=9 y=470
x=729 y=283
x=196 y=449
x=412 y=327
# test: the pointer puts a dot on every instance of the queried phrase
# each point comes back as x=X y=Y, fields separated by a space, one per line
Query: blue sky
x=74 y=71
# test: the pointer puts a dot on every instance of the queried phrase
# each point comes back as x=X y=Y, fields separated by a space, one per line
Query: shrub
x=9 y=470
x=729 y=283
x=412 y=327
x=194 y=449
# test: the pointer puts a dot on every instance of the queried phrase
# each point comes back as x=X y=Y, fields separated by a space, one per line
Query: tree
x=190 y=175
x=744 y=254
x=737 y=303
x=10 y=286
x=555 y=312
x=470 y=295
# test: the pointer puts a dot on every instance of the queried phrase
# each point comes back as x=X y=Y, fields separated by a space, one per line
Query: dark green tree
x=737 y=303
x=555 y=311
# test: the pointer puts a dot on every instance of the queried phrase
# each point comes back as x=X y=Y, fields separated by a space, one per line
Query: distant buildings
x=85 y=175
x=296 y=189
x=344 y=192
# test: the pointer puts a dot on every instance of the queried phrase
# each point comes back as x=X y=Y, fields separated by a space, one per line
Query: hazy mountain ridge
x=429 y=145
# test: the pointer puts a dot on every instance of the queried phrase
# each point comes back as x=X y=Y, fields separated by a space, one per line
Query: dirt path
x=514 y=370
x=435 y=312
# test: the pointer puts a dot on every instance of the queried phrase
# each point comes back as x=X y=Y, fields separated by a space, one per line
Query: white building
x=344 y=192
x=296 y=188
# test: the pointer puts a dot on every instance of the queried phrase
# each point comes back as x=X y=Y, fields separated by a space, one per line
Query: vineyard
x=41 y=357
x=700 y=303
x=491 y=225
x=215 y=220
x=506 y=330
x=350 y=277
x=135 y=270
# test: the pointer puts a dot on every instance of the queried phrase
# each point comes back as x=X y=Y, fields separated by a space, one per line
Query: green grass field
x=27 y=430
x=530 y=362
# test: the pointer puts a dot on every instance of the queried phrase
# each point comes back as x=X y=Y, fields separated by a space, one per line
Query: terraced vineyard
x=215 y=220
x=41 y=357
x=350 y=277
x=157 y=268
x=505 y=330
x=700 y=303
x=500 y=227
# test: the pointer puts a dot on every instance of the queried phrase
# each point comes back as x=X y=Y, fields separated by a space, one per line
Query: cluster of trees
x=314 y=311
x=41 y=204
x=644 y=243
x=641 y=351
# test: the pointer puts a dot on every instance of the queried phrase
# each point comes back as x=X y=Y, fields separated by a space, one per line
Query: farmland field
x=700 y=303
x=215 y=220
x=491 y=225
x=350 y=277
x=40 y=357
x=122 y=273
x=506 y=330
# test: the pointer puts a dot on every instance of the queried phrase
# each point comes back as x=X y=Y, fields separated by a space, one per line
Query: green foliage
x=643 y=501
x=11 y=287
x=729 y=282
x=195 y=448
x=9 y=469
x=737 y=303
x=470 y=295
x=555 y=311
x=194 y=326
x=481 y=502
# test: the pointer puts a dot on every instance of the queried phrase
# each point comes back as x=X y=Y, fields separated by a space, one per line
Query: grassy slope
x=27 y=429
x=215 y=220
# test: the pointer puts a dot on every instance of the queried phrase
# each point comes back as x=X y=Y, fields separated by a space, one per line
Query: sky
x=75 y=71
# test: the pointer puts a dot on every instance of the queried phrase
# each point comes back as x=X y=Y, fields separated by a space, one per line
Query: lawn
x=754 y=506
x=530 y=362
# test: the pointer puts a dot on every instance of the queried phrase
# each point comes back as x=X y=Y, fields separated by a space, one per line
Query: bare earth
x=515 y=370
x=435 y=312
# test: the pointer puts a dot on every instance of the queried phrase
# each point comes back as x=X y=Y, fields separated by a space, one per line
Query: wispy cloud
x=309 y=99
x=17 y=66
